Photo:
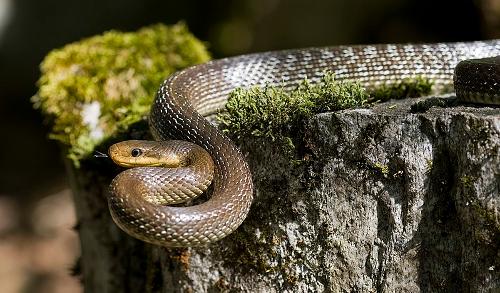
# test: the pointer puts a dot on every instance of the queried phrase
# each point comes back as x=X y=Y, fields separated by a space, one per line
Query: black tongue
x=98 y=154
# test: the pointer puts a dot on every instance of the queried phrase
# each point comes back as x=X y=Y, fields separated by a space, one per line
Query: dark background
x=32 y=178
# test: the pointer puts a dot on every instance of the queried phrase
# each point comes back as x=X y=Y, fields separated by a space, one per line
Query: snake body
x=186 y=98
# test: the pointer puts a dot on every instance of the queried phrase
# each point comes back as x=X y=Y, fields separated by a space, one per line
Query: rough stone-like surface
x=385 y=200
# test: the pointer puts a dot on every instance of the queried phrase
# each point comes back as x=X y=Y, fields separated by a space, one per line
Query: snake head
x=141 y=153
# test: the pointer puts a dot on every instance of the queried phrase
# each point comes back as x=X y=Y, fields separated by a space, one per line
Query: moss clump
x=407 y=88
x=383 y=169
x=277 y=114
x=91 y=89
x=429 y=166
x=467 y=181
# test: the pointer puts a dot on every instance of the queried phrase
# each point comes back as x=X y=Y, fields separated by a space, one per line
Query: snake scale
x=139 y=195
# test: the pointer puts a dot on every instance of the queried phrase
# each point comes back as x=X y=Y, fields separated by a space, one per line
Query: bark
x=384 y=200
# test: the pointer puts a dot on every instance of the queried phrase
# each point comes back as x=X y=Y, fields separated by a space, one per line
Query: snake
x=191 y=156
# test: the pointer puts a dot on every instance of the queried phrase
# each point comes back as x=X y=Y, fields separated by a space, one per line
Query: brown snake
x=138 y=195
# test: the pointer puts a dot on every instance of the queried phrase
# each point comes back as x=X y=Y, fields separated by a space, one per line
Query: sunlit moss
x=94 y=87
x=277 y=114
x=383 y=169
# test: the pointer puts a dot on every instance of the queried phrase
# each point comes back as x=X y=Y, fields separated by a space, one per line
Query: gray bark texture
x=384 y=200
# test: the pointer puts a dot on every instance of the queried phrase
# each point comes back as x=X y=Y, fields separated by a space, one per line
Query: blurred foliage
x=93 y=88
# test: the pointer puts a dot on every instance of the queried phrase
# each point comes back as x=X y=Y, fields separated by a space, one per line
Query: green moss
x=429 y=166
x=277 y=114
x=383 y=169
x=487 y=228
x=407 y=88
x=467 y=181
x=91 y=89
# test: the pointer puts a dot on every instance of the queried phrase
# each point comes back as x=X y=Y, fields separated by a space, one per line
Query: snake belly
x=187 y=98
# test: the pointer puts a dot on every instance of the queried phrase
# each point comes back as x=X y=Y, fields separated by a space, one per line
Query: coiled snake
x=139 y=196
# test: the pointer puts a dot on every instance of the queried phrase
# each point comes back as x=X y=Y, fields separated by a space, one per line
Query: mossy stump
x=95 y=92
x=384 y=200
x=390 y=198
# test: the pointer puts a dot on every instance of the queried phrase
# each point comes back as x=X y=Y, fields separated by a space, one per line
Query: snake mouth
x=125 y=164
x=137 y=164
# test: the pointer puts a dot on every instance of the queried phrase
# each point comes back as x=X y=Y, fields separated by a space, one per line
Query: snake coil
x=187 y=97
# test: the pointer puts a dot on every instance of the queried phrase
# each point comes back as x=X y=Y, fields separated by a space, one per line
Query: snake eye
x=136 y=152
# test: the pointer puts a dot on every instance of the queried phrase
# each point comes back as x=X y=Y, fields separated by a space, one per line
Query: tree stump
x=385 y=199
